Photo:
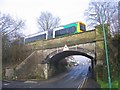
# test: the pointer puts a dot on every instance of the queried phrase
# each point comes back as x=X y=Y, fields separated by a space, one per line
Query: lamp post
x=106 y=51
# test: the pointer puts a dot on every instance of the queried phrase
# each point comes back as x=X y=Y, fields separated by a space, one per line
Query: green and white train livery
x=61 y=31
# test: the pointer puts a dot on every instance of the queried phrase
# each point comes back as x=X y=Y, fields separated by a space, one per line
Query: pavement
x=90 y=83
x=74 y=79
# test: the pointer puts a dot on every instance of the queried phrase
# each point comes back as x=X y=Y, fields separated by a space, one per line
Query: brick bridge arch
x=60 y=54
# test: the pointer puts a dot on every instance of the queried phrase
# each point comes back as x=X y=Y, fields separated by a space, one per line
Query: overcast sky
x=29 y=10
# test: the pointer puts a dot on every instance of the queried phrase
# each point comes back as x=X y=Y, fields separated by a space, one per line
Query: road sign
x=65 y=48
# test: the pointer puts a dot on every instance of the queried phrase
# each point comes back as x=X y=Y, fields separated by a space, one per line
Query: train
x=64 y=30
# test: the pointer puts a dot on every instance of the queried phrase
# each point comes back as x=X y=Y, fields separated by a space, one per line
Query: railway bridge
x=89 y=44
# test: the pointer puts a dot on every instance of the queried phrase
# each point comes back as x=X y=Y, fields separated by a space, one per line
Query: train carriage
x=61 y=31
x=72 y=28
x=36 y=37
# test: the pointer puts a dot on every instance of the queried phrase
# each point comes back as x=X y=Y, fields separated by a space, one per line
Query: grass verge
x=105 y=84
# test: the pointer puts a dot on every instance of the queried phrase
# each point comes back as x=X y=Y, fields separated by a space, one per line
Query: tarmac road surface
x=74 y=78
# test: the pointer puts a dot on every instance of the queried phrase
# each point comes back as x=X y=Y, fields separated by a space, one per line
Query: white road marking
x=6 y=83
x=81 y=85
x=30 y=82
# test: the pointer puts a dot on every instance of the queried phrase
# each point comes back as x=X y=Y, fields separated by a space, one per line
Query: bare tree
x=47 y=21
x=97 y=10
x=8 y=25
x=11 y=38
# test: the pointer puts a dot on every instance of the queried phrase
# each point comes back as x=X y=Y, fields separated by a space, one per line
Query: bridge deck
x=85 y=37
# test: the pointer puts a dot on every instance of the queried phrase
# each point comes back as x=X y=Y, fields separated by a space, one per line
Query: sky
x=81 y=59
x=68 y=11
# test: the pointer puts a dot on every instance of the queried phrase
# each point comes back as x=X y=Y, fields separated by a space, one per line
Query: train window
x=42 y=36
x=32 y=39
x=59 y=32
x=72 y=30
x=82 y=27
x=66 y=31
x=27 y=40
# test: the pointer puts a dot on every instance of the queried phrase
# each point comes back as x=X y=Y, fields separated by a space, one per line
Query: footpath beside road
x=90 y=83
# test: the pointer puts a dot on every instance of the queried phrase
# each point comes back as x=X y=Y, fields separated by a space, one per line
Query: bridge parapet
x=81 y=38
